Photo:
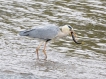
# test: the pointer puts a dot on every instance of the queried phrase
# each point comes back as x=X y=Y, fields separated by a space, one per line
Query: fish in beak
x=72 y=33
x=73 y=37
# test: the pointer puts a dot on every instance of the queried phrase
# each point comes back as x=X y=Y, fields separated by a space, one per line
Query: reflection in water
x=65 y=58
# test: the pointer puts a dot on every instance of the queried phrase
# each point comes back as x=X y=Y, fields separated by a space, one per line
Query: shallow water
x=66 y=60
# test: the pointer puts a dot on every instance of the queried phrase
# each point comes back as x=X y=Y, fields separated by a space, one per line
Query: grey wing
x=46 y=32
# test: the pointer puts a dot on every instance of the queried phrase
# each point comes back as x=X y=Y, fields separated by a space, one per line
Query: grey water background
x=66 y=60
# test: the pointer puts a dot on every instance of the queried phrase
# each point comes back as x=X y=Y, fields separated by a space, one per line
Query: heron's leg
x=44 y=50
x=38 y=49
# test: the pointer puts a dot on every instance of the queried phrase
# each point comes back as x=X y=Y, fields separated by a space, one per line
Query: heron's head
x=68 y=30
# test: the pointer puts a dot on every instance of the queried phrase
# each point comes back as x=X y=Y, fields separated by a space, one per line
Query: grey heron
x=47 y=33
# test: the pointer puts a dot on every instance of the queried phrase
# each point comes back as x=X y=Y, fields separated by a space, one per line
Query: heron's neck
x=61 y=34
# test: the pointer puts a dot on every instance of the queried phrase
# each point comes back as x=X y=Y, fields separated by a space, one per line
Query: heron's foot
x=45 y=58
x=37 y=58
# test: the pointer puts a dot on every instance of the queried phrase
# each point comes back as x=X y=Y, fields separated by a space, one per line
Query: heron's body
x=44 y=32
x=47 y=33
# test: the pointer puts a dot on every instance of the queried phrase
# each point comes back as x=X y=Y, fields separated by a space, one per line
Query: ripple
x=17 y=54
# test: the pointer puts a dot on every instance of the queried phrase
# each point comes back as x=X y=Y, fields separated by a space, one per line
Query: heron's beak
x=73 y=37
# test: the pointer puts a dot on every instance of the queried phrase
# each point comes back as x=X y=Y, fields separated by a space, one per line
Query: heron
x=47 y=33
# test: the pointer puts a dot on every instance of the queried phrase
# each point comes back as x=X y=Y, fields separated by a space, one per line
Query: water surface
x=66 y=60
